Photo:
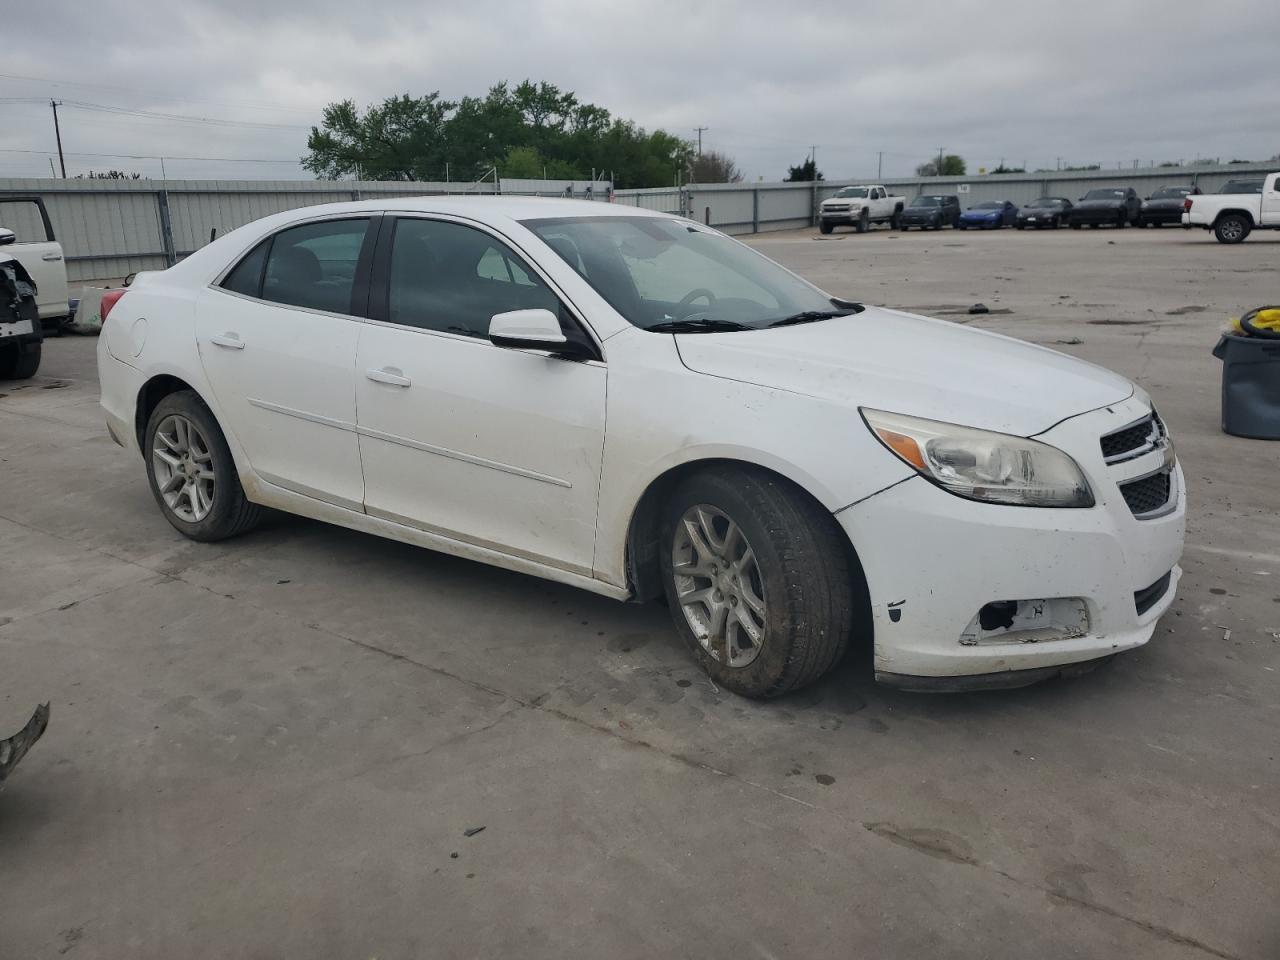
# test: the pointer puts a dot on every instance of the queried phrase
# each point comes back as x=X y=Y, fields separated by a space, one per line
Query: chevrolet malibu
x=640 y=406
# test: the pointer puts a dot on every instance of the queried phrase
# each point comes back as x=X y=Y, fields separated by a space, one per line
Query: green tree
x=520 y=130
x=806 y=172
x=952 y=166
x=714 y=167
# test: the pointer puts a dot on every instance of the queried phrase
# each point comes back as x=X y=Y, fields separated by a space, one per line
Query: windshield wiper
x=697 y=325
x=811 y=316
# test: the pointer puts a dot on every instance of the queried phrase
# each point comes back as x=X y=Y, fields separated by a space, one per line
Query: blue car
x=990 y=214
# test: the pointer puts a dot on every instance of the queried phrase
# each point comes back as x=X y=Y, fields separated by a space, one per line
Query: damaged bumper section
x=1027 y=592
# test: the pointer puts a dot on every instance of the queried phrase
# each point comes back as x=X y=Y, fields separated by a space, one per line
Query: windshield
x=851 y=192
x=1105 y=195
x=928 y=201
x=658 y=271
x=1242 y=186
x=988 y=205
x=1046 y=202
x=1171 y=193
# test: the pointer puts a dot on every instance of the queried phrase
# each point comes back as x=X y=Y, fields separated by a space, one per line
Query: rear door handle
x=391 y=375
x=52 y=257
x=231 y=341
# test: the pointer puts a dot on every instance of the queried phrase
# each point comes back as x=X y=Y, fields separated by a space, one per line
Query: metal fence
x=111 y=228
x=756 y=207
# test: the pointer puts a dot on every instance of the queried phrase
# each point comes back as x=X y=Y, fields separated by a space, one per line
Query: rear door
x=277 y=338
x=1271 y=201
x=496 y=447
x=38 y=251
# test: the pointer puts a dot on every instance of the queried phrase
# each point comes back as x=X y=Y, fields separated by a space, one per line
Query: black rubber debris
x=471 y=831
x=979 y=308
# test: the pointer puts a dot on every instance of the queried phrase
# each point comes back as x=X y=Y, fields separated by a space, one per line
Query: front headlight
x=981 y=465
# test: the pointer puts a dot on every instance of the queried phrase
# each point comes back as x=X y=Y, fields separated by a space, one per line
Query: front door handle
x=52 y=257
x=229 y=340
x=392 y=375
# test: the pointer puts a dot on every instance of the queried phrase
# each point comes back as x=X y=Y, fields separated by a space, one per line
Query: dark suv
x=1117 y=206
x=931 y=212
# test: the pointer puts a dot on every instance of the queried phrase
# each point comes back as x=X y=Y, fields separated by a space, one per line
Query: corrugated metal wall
x=111 y=228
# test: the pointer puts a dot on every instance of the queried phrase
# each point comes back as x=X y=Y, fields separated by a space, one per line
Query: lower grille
x=1149 y=495
x=1147 y=597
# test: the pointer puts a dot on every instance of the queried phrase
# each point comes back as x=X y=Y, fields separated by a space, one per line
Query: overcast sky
x=1030 y=83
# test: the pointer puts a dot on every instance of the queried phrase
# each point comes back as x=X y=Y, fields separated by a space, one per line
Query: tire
x=228 y=512
x=799 y=576
x=962 y=226
x=824 y=227
x=1076 y=226
x=1232 y=228
x=895 y=222
x=1094 y=226
x=1021 y=226
x=20 y=361
x=1122 y=222
x=1055 y=223
x=864 y=222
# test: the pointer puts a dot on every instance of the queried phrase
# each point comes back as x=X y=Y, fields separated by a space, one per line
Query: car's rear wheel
x=1231 y=228
x=758 y=581
x=1076 y=226
x=191 y=473
x=20 y=361
x=1122 y=222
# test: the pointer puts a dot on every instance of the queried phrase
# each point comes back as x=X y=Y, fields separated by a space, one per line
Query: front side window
x=654 y=271
x=451 y=277
x=313 y=265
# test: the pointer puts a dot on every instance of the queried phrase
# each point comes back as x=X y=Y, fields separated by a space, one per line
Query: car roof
x=485 y=208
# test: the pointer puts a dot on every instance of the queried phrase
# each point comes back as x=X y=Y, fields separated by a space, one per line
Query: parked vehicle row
x=1238 y=208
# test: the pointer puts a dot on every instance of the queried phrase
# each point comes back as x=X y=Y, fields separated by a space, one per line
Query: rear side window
x=314 y=265
x=246 y=277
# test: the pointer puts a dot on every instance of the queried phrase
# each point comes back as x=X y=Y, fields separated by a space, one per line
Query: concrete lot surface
x=271 y=747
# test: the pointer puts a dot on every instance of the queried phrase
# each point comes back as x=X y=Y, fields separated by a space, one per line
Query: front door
x=278 y=344
x=1271 y=202
x=495 y=447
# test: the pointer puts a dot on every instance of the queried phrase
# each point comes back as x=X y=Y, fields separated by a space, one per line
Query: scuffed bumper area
x=966 y=589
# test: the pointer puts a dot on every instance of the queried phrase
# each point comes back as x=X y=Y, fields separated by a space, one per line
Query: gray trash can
x=1250 y=386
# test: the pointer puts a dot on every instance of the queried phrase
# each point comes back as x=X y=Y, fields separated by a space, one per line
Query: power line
x=250 y=104
x=148 y=156
x=182 y=118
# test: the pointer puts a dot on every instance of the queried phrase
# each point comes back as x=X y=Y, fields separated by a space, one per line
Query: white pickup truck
x=42 y=259
x=860 y=207
x=1232 y=216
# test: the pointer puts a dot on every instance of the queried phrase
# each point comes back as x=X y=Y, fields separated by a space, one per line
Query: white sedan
x=638 y=405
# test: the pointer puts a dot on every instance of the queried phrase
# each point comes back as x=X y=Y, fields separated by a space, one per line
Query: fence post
x=166 y=227
x=755 y=210
x=813 y=204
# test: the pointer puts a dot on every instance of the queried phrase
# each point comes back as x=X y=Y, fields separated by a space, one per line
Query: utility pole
x=699 y=130
x=940 y=149
x=57 y=132
x=879 y=163
x=813 y=160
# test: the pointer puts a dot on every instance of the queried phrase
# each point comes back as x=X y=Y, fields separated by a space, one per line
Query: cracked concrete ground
x=271 y=747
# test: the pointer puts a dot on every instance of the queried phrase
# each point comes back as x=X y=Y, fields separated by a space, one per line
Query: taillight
x=109 y=300
x=1186 y=205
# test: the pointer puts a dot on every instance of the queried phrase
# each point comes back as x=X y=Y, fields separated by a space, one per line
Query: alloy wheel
x=718 y=585
x=183 y=465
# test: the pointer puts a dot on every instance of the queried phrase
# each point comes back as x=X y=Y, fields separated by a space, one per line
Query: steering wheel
x=687 y=300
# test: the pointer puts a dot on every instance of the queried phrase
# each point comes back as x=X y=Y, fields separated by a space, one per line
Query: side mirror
x=527 y=330
x=128 y=281
x=7 y=236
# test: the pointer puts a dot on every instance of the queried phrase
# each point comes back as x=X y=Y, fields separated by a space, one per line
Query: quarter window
x=314 y=265
x=246 y=277
x=451 y=277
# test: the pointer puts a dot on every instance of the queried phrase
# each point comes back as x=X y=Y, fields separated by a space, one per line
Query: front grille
x=1133 y=441
x=1147 y=597
x=1149 y=494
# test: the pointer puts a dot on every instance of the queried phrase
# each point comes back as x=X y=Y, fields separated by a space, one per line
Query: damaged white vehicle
x=638 y=405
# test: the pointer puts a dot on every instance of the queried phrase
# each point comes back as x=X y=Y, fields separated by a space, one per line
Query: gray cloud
x=1031 y=82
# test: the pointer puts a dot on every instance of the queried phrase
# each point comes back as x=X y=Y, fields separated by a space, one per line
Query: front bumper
x=1039 y=220
x=932 y=560
x=839 y=216
x=982 y=223
x=1162 y=216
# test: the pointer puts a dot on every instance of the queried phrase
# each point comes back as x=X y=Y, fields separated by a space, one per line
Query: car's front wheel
x=191 y=473
x=758 y=581
x=824 y=227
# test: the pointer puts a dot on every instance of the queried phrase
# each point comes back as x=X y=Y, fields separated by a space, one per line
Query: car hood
x=1039 y=211
x=1112 y=204
x=842 y=201
x=908 y=364
x=920 y=211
